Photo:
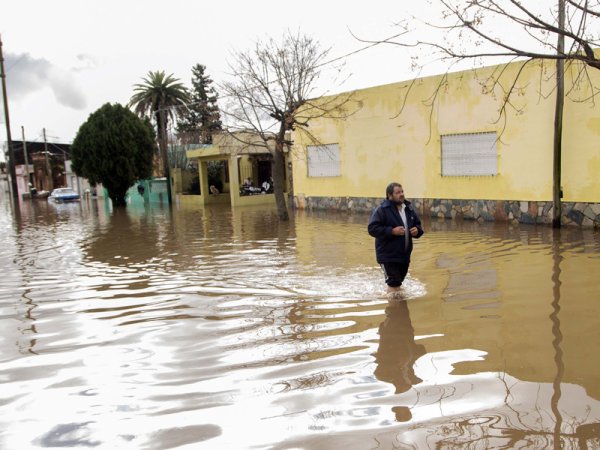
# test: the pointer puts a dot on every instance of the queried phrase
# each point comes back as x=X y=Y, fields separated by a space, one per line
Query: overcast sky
x=66 y=58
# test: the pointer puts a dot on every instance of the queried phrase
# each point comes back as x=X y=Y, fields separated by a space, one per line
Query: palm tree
x=159 y=97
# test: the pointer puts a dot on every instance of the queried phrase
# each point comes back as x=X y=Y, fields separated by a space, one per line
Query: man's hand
x=398 y=231
x=414 y=231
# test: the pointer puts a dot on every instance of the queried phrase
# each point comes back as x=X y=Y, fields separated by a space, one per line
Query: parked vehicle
x=60 y=195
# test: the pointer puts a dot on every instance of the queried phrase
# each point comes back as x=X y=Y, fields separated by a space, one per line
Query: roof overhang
x=205 y=153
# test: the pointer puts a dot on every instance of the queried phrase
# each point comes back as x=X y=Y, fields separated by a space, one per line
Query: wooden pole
x=11 y=152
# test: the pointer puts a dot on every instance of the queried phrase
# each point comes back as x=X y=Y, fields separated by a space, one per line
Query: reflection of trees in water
x=501 y=431
x=397 y=353
x=124 y=241
x=26 y=326
x=26 y=306
x=527 y=418
x=46 y=238
x=558 y=354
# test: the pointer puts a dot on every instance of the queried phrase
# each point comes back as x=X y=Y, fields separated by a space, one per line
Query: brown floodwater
x=220 y=328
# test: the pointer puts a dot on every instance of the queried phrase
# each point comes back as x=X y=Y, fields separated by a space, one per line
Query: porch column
x=203 y=173
x=234 y=180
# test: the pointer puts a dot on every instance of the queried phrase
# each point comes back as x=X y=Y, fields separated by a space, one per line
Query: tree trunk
x=558 y=123
x=118 y=200
x=279 y=182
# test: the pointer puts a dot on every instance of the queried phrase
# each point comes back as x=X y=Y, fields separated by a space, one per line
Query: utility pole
x=558 y=119
x=48 y=170
x=11 y=152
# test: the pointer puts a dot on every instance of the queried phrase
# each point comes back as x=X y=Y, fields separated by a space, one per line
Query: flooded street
x=224 y=329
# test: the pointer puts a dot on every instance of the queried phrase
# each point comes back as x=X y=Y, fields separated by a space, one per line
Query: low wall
x=577 y=214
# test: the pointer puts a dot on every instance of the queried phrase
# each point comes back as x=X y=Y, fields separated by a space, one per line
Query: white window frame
x=323 y=160
x=469 y=154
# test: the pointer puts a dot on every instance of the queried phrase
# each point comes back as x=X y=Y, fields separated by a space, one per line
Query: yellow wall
x=378 y=144
x=246 y=169
x=581 y=146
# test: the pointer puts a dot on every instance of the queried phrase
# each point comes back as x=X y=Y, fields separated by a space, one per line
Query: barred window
x=323 y=160
x=469 y=154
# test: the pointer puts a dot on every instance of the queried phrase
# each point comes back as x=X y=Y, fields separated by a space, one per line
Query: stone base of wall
x=578 y=214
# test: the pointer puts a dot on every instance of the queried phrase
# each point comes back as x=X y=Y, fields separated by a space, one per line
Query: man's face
x=397 y=196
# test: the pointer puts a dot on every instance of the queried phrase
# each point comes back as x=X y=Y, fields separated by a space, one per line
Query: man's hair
x=389 y=190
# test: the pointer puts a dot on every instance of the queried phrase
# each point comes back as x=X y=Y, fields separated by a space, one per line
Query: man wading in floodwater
x=394 y=224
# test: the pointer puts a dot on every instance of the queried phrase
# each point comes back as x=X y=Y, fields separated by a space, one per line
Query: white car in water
x=60 y=195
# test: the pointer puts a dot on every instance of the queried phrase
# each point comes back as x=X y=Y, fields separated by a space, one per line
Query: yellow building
x=457 y=149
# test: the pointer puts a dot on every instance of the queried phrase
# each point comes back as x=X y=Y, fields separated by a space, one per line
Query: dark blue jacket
x=390 y=248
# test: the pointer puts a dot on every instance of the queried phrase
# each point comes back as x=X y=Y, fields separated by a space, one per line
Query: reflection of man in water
x=397 y=353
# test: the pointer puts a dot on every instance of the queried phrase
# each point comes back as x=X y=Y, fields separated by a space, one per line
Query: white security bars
x=469 y=154
x=323 y=160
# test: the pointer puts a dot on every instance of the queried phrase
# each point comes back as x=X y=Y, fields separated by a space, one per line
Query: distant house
x=453 y=156
x=45 y=166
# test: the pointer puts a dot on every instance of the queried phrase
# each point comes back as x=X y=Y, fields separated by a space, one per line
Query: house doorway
x=264 y=170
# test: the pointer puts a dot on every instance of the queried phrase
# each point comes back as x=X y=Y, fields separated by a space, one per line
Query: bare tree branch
x=272 y=94
x=471 y=17
x=478 y=30
x=585 y=8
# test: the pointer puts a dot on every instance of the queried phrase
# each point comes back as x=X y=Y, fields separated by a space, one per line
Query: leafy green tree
x=202 y=117
x=114 y=147
x=161 y=97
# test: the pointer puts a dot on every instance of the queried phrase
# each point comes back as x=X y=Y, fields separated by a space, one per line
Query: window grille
x=323 y=160
x=469 y=154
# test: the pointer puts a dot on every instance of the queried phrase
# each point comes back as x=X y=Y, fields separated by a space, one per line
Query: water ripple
x=223 y=328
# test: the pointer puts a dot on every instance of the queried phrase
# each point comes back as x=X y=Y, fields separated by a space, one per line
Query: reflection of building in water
x=257 y=224
x=472 y=278
x=497 y=287
x=334 y=241
x=397 y=353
